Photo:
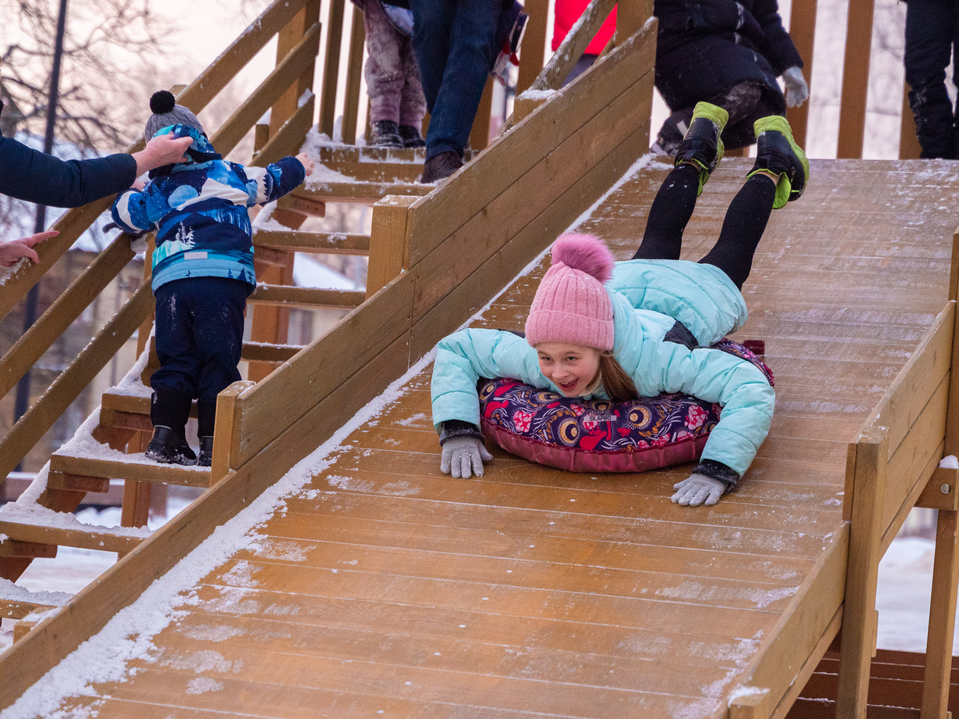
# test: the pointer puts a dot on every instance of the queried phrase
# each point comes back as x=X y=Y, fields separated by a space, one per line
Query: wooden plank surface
x=383 y=585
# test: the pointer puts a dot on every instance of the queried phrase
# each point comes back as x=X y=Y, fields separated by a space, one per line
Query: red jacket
x=567 y=12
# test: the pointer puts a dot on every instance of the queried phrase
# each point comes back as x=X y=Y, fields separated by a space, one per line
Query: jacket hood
x=200 y=150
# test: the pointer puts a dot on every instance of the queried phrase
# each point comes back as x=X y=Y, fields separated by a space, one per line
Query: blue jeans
x=932 y=29
x=455 y=45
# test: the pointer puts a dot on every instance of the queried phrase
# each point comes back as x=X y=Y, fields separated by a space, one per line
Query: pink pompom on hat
x=571 y=304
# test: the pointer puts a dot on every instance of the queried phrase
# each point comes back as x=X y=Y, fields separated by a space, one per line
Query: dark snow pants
x=199 y=335
x=932 y=29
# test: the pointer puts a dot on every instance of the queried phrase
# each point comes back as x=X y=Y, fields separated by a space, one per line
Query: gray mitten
x=797 y=91
x=698 y=489
x=464 y=457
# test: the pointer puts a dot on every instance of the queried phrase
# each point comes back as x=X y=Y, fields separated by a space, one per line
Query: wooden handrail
x=331 y=66
x=268 y=92
x=212 y=80
x=574 y=44
x=63 y=312
x=71 y=382
x=354 y=71
x=18 y=360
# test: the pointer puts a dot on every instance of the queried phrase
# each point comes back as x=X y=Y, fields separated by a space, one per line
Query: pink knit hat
x=571 y=304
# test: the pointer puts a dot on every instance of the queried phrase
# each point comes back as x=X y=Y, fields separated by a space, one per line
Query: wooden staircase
x=111 y=446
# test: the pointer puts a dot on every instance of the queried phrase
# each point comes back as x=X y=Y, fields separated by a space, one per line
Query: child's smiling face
x=572 y=368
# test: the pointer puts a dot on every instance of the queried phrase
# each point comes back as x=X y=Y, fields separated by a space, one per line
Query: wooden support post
x=942 y=619
x=862 y=570
x=225 y=430
x=802 y=30
x=479 y=134
x=630 y=17
x=389 y=242
x=270 y=323
x=21 y=629
x=143 y=333
x=852 y=112
x=331 y=67
x=136 y=503
x=751 y=706
x=523 y=107
x=534 y=44
x=135 y=510
x=287 y=39
x=909 y=148
x=354 y=74
x=945 y=573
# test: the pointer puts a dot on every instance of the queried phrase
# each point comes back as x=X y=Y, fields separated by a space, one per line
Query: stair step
x=307 y=296
x=12 y=609
x=17 y=602
x=358 y=193
x=104 y=539
x=339 y=243
x=354 y=153
x=357 y=153
x=133 y=466
x=366 y=171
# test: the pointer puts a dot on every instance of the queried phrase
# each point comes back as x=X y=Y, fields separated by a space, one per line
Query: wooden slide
x=333 y=571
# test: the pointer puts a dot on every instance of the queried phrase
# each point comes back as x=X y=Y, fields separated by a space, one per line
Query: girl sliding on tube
x=620 y=330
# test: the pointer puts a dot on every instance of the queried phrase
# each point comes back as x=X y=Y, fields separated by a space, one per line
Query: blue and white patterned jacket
x=199 y=210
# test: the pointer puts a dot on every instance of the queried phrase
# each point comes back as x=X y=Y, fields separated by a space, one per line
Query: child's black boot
x=411 y=137
x=205 y=423
x=205 y=458
x=386 y=133
x=778 y=153
x=169 y=412
x=702 y=145
x=168 y=447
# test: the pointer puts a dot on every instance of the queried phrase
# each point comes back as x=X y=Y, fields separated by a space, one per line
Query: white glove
x=697 y=489
x=797 y=91
x=464 y=456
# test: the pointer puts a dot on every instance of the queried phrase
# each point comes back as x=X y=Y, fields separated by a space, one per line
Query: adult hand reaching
x=11 y=252
x=161 y=150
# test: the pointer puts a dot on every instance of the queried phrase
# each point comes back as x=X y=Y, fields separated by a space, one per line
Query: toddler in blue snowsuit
x=202 y=272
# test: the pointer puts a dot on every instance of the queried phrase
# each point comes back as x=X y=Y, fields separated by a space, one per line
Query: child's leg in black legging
x=669 y=214
x=743 y=228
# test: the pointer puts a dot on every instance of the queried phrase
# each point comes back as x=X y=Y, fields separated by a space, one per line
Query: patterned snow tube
x=599 y=435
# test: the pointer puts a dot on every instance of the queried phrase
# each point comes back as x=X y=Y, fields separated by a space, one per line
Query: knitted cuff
x=458 y=428
x=718 y=470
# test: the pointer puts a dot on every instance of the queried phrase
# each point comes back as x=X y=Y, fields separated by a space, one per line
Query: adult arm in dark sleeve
x=27 y=174
x=778 y=48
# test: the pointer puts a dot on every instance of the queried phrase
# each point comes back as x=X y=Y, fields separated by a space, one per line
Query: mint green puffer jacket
x=648 y=298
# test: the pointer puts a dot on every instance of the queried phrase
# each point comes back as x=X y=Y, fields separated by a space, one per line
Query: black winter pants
x=932 y=31
x=199 y=335
x=742 y=230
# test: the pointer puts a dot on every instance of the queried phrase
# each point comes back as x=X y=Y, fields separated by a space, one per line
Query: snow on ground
x=905 y=587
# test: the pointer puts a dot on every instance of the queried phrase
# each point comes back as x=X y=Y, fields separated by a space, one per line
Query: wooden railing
x=893 y=467
x=855 y=80
x=291 y=68
x=451 y=250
